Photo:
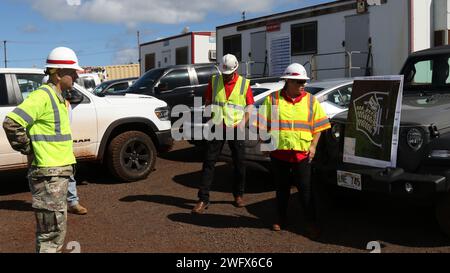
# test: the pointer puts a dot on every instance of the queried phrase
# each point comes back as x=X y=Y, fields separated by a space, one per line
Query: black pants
x=299 y=175
x=213 y=150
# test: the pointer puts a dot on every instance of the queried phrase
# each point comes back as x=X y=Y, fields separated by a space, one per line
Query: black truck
x=423 y=154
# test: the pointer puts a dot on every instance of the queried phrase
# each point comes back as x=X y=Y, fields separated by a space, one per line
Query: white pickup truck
x=125 y=132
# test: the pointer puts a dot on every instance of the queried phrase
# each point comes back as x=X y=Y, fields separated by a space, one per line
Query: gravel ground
x=153 y=215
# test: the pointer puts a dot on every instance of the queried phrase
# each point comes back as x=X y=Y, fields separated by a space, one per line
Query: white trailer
x=337 y=39
x=187 y=48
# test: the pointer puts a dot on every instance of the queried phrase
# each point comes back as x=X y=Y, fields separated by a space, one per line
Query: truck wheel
x=443 y=214
x=131 y=156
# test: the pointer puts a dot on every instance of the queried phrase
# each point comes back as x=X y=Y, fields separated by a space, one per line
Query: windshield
x=430 y=73
x=147 y=80
x=257 y=91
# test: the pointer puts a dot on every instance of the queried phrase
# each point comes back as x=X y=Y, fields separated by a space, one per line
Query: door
x=258 y=54
x=357 y=39
x=11 y=91
x=166 y=58
x=84 y=127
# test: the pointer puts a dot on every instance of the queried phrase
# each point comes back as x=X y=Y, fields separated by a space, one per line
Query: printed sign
x=373 y=122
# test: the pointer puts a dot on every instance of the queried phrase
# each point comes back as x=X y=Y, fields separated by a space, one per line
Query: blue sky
x=103 y=32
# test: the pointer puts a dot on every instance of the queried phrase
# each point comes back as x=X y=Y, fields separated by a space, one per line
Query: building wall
x=389 y=30
x=165 y=49
x=202 y=45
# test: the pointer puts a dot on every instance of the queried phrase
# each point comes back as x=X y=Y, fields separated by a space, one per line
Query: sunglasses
x=300 y=82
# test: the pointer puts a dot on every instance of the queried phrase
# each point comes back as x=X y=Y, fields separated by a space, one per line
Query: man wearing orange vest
x=295 y=120
x=228 y=94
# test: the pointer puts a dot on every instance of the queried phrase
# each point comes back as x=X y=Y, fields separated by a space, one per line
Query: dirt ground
x=153 y=215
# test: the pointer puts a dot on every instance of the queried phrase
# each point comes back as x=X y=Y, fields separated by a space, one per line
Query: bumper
x=393 y=181
x=164 y=138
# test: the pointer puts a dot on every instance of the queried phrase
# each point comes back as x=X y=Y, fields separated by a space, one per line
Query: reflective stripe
x=230 y=105
x=47 y=138
x=274 y=98
x=289 y=125
x=23 y=115
x=216 y=84
x=321 y=123
x=311 y=108
x=55 y=110
x=243 y=85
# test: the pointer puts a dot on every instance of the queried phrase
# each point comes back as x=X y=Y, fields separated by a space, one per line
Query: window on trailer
x=233 y=45
x=181 y=55
x=304 y=38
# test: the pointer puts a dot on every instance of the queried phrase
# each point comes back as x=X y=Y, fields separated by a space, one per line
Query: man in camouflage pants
x=40 y=128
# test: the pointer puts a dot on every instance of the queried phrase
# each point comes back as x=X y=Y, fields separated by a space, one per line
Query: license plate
x=349 y=180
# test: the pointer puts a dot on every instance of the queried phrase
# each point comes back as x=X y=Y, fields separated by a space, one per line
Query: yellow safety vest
x=292 y=126
x=230 y=111
x=46 y=119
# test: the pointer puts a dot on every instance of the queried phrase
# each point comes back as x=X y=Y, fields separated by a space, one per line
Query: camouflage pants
x=48 y=188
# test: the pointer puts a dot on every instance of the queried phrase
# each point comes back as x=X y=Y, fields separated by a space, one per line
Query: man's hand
x=312 y=153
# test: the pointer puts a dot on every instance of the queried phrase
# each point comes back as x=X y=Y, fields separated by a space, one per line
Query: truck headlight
x=163 y=113
x=336 y=131
x=414 y=138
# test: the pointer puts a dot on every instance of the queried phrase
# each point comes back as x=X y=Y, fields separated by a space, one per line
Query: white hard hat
x=295 y=71
x=62 y=57
x=229 y=64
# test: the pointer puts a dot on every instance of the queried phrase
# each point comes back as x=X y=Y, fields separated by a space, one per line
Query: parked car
x=125 y=132
x=114 y=87
x=177 y=84
x=334 y=96
x=423 y=154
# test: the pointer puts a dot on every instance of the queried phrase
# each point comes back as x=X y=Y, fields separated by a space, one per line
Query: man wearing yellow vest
x=229 y=95
x=40 y=128
x=295 y=120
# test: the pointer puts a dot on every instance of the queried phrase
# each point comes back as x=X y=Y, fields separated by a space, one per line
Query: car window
x=204 y=74
x=28 y=82
x=428 y=73
x=176 y=78
x=257 y=91
x=89 y=83
x=3 y=91
x=100 y=88
x=147 y=80
x=74 y=93
x=341 y=96
x=117 y=87
x=313 y=90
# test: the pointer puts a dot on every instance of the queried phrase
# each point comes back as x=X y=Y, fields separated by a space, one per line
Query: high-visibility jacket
x=292 y=126
x=45 y=116
x=230 y=111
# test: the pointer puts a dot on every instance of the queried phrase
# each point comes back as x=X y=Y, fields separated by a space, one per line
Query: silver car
x=334 y=96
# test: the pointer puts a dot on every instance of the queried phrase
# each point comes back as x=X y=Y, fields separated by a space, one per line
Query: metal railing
x=348 y=66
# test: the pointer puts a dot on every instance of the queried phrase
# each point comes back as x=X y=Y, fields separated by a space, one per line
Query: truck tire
x=131 y=156
x=443 y=214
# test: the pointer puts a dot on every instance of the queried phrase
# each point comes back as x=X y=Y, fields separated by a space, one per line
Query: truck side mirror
x=74 y=97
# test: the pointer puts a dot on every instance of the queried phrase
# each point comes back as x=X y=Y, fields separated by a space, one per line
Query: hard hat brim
x=294 y=77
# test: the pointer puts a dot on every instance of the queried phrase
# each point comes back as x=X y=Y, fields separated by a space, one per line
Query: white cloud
x=132 y=12
x=126 y=56
x=30 y=28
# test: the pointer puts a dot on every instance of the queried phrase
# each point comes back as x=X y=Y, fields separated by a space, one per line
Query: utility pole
x=4 y=50
x=139 y=49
